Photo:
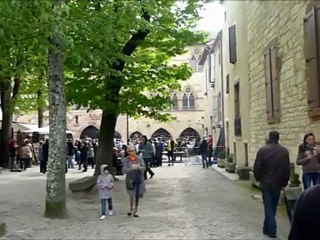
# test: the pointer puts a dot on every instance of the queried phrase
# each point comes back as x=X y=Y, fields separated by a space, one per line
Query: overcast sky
x=212 y=17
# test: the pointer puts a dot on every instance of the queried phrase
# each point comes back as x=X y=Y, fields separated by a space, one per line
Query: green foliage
x=230 y=158
x=94 y=35
x=294 y=180
x=24 y=28
x=147 y=79
x=221 y=155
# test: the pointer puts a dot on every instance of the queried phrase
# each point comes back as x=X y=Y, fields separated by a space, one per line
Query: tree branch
x=132 y=44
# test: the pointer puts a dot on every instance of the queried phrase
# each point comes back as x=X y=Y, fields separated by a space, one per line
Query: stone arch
x=136 y=135
x=190 y=133
x=162 y=133
x=90 y=132
x=117 y=135
x=93 y=133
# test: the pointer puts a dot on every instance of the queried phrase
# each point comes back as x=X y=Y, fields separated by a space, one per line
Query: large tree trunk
x=8 y=93
x=56 y=182
x=106 y=137
x=6 y=128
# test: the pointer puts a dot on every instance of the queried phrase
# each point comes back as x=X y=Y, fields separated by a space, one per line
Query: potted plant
x=221 y=159
x=243 y=172
x=230 y=165
x=291 y=193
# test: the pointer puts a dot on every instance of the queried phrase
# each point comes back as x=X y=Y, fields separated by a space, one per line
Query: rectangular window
x=219 y=108
x=272 y=83
x=227 y=84
x=213 y=69
x=237 y=100
x=237 y=117
x=232 y=44
x=312 y=60
x=76 y=119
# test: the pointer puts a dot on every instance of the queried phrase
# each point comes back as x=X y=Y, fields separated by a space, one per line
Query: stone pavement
x=182 y=202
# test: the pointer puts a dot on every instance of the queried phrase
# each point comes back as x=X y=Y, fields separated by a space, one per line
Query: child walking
x=105 y=186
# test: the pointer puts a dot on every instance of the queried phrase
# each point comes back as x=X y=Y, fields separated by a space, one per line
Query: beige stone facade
x=236 y=81
x=212 y=66
x=283 y=23
x=187 y=108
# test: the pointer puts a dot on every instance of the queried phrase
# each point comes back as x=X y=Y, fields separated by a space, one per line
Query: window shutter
x=267 y=68
x=274 y=60
x=312 y=72
x=232 y=44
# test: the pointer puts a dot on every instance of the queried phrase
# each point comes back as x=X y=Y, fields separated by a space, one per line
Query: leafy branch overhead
x=105 y=76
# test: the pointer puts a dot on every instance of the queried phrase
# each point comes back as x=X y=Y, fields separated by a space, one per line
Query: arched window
x=135 y=135
x=161 y=133
x=185 y=101
x=191 y=101
x=190 y=133
x=188 y=100
x=90 y=132
x=174 y=101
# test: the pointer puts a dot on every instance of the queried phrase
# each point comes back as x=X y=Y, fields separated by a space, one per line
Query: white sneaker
x=110 y=213
x=102 y=217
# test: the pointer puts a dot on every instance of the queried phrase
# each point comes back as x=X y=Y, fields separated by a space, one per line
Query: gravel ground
x=182 y=202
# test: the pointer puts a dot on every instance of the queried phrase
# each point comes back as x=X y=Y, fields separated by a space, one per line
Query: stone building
x=186 y=106
x=212 y=66
x=282 y=46
x=236 y=81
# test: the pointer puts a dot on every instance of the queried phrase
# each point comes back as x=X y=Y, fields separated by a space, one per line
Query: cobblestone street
x=182 y=202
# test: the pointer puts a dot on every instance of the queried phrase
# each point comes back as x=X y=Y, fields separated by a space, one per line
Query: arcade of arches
x=93 y=133
x=189 y=133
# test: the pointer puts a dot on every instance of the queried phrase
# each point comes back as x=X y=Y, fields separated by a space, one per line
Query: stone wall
x=238 y=74
x=282 y=20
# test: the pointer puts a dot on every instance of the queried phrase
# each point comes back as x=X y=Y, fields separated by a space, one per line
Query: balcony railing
x=237 y=127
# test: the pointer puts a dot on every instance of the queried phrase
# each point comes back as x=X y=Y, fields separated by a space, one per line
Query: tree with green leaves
x=22 y=54
x=124 y=56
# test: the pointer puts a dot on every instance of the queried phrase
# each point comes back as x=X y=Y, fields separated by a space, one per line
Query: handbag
x=129 y=184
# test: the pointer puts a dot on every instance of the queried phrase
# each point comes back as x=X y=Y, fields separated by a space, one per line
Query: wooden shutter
x=268 y=83
x=274 y=60
x=232 y=44
x=312 y=60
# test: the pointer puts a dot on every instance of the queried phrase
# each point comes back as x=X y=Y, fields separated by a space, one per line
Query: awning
x=21 y=126
x=44 y=131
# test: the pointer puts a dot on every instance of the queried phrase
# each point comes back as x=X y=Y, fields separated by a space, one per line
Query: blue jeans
x=103 y=202
x=204 y=160
x=270 y=199
x=307 y=178
x=69 y=160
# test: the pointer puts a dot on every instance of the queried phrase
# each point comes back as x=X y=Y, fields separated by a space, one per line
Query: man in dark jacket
x=272 y=170
x=306 y=216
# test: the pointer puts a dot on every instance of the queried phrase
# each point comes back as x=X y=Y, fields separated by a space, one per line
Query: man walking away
x=272 y=170
x=203 y=151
